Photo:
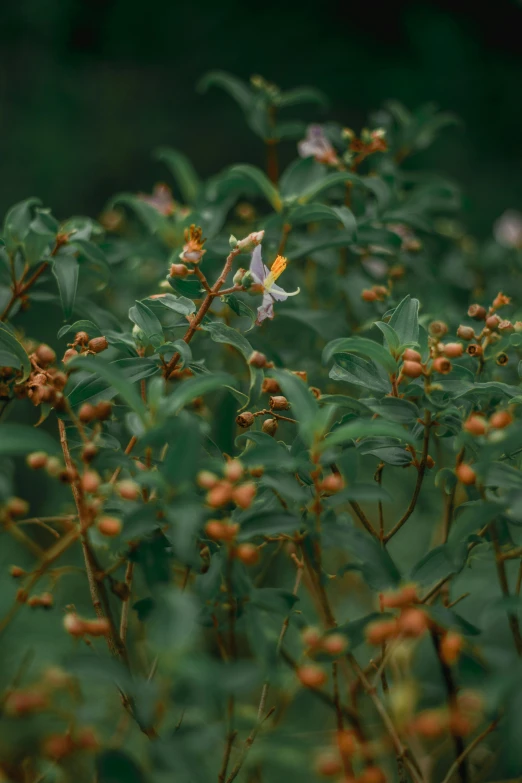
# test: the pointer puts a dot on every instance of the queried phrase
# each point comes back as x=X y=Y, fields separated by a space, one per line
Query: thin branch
x=504 y=586
x=124 y=620
x=471 y=747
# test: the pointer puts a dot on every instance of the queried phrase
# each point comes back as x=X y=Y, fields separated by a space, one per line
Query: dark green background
x=88 y=88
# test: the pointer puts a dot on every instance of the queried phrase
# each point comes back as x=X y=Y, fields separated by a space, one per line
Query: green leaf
x=365 y=429
x=330 y=181
x=111 y=373
x=267 y=523
x=92 y=389
x=441 y=562
x=312 y=213
x=188 y=390
x=378 y=569
x=300 y=175
x=148 y=214
x=221 y=333
x=183 y=172
x=355 y=630
x=180 y=304
x=236 y=88
x=11 y=347
x=300 y=95
x=363 y=346
x=255 y=176
x=391 y=337
x=503 y=476
x=359 y=372
x=19 y=439
x=145 y=319
x=79 y=326
x=17 y=222
x=314 y=244
x=405 y=320
x=304 y=407
x=395 y=409
x=66 y=270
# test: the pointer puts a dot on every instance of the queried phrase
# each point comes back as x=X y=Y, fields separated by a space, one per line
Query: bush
x=253 y=532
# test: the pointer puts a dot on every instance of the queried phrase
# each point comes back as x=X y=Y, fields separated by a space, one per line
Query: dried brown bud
x=270 y=426
x=69 y=354
x=234 y=470
x=465 y=332
x=438 y=328
x=100 y=627
x=245 y=419
x=474 y=349
x=89 y=452
x=103 y=410
x=220 y=494
x=301 y=374
x=81 y=338
x=90 y=481
x=17 y=572
x=311 y=676
x=219 y=530
x=67 y=475
x=270 y=386
x=332 y=483
x=206 y=479
x=442 y=365
x=247 y=553
x=279 y=403
x=45 y=355
x=502 y=359
x=244 y=494
x=87 y=413
x=475 y=425
x=258 y=359
x=477 y=312
x=500 y=300
x=109 y=526
x=430 y=462
x=413 y=622
x=59 y=381
x=178 y=270
x=506 y=326
x=128 y=489
x=73 y=624
x=453 y=350
x=37 y=460
x=16 y=507
x=98 y=344
x=451 y=646
x=315 y=391
x=492 y=321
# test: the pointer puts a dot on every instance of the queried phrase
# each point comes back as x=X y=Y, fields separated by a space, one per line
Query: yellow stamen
x=276 y=270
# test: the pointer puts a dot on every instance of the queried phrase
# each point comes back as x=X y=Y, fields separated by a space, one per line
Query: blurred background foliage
x=88 y=88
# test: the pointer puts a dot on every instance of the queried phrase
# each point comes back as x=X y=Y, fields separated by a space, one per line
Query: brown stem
x=465 y=753
x=363 y=518
x=421 y=470
x=267 y=412
x=504 y=586
x=124 y=620
x=21 y=288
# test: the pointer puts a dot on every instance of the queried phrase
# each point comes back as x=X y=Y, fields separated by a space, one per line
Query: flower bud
x=301 y=374
x=250 y=242
x=346 y=742
x=54 y=467
x=505 y=327
x=37 y=460
x=244 y=494
x=109 y=526
x=500 y=419
x=98 y=344
x=410 y=355
x=477 y=312
x=380 y=631
x=45 y=355
x=270 y=386
x=466 y=474
x=413 y=622
x=220 y=494
x=279 y=403
x=73 y=624
x=69 y=354
x=178 y=270
x=441 y=365
x=459 y=724
x=89 y=452
x=90 y=481
x=311 y=676
x=17 y=572
x=87 y=413
x=221 y=531
x=245 y=419
x=368 y=295
x=81 y=338
x=257 y=359
x=500 y=300
x=315 y=391
x=247 y=553
x=453 y=350
x=311 y=637
x=400 y=598
x=492 y=321
x=128 y=489
x=239 y=276
x=475 y=425
x=334 y=644
x=465 y=332
x=270 y=427
x=438 y=328
x=411 y=369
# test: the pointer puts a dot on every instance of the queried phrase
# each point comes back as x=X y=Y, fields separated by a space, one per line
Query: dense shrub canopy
x=261 y=496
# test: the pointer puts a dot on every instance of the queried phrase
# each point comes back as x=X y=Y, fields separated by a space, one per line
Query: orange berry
x=475 y=425
x=441 y=365
x=368 y=295
x=98 y=627
x=410 y=355
x=221 y=531
x=413 y=622
x=460 y=725
x=346 y=742
x=500 y=419
x=247 y=553
x=466 y=332
x=332 y=483
x=57 y=746
x=16 y=572
x=128 y=489
x=328 y=764
x=37 y=460
x=400 y=598
x=453 y=350
x=372 y=775
x=335 y=644
x=206 y=479
x=430 y=724
x=450 y=647
x=234 y=470
x=311 y=637
x=311 y=676
x=24 y=702
x=109 y=526
x=466 y=474
x=430 y=462
x=87 y=413
x=220 y=494
x=244 y=494
x=279 y=403
x=90 y=481
x=17 y=507
x=74 y=624
x=492 y=321
x=380 y=631
x=411 y=369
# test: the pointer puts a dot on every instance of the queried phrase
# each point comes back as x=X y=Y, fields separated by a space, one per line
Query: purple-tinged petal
x=257 y=268
x=278 y=293
x=265 y=310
